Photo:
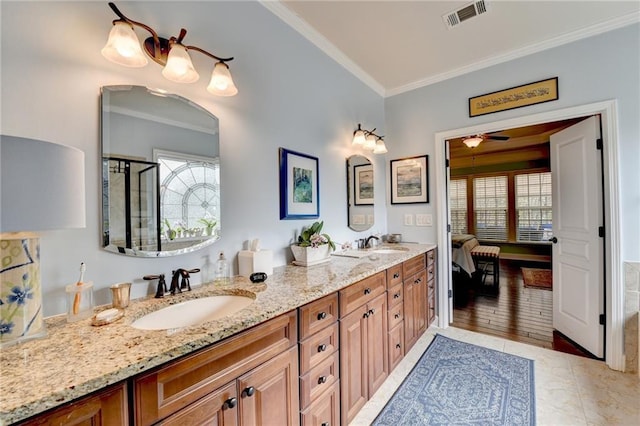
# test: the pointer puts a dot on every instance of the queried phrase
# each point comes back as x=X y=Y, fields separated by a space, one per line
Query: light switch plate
x=408 y=220
x=424 y=219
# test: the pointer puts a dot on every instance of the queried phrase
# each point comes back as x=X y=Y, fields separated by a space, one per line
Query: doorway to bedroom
x=500 y=203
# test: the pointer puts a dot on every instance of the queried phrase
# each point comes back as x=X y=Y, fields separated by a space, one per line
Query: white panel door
x=577 y=250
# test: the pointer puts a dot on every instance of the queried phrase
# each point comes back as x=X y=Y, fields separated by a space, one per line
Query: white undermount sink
x=389 y=250
x=192 y=312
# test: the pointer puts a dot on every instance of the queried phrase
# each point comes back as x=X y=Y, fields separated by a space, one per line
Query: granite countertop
x=76 y=359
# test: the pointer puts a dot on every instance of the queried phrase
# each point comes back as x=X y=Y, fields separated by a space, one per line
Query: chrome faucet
x=367 y=242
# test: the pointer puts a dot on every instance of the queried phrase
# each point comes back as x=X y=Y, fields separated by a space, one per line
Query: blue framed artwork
x=299 y=186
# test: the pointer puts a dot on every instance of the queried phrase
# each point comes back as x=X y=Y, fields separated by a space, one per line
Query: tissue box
x=255 y=261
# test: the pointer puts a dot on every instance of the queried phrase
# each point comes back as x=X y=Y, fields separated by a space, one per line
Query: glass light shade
x=380 y=147
x=358 y=138
x=370 y=142
x=221 y=83
x=123 y=47
x=179 y=67
x=472 y=142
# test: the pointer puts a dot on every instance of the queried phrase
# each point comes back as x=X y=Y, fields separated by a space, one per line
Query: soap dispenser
x=222 y=270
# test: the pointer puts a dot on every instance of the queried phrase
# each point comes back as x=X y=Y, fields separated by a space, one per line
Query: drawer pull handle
x=398 y=346
x=372 y=311
x=322 y=380
x=322 y=348
x=230 y=403
x=249 y=391
x=396 y=275
x=365 y=315
x=396 y=296
x=418 y=281
x=367 y=290
x=325 y=424
x=396 y=316
x=322 y=315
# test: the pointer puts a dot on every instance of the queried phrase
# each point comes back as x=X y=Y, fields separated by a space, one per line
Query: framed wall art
x=363 y=187
x=515 y=97
x=410 y=180
x=299 y=186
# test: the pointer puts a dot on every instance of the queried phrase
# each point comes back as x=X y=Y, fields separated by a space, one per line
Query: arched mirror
x=360 y=193
x=160 y=173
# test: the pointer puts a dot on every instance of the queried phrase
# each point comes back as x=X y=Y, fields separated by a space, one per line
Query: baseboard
x=525 y=257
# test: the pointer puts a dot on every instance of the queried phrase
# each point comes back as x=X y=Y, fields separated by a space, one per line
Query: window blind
x=458 y=206
x=490 y=206
x=533 y=207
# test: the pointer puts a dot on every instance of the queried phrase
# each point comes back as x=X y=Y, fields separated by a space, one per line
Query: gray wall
x=290 y=95
x=595 y=69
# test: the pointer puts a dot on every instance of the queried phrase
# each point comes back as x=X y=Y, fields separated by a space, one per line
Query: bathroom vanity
x=311 y=349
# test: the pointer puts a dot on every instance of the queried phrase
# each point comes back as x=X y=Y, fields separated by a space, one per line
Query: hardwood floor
x=517 y=312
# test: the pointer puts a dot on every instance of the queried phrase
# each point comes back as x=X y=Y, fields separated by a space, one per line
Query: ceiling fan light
x=179 y=67
x=123 y=46
x=221 y=83
x=472 y=142
x=380 y=148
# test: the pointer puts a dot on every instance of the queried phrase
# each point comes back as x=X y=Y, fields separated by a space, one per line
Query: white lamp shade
x=370 y=142
x=221 y=83
x=358 y=138
x=123 y=47
x=472 y=142
x=42 y=185
x=179 y=67
x=380 y=147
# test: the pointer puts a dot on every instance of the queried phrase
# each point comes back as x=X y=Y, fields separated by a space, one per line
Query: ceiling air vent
x=456 y=17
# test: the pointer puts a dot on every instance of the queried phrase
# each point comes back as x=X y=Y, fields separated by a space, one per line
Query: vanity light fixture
x=472 y=141
x=123 y=47
x=369 y=140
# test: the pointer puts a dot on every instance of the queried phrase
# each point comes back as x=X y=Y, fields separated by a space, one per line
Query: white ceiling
x=395 y=46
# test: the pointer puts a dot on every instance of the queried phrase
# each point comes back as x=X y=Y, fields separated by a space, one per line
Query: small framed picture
x=410 y=180
x=363 y=186
x=299 y=186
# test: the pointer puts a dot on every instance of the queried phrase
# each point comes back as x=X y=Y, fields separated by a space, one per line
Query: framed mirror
x=360 y=193
x=160 y=173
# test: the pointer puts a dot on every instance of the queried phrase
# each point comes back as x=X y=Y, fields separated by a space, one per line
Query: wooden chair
x=487 y=260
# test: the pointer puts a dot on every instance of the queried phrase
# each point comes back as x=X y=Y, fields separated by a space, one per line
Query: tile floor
x=570 y=390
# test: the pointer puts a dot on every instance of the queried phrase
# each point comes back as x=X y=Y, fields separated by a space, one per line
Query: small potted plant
x=209 y=223
x=171 y=233
x=312 y=246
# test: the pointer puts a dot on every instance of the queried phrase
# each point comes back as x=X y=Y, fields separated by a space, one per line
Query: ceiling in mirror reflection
x=161 y=173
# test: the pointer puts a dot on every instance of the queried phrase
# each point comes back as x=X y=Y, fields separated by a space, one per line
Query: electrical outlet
x=424 y=219
x=408 y=220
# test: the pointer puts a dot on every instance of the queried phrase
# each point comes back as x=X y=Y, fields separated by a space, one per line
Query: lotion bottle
x=222 y=270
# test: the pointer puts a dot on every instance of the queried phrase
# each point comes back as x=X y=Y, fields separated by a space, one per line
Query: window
x=458 y=206
x=490 y=207
x=533 y=207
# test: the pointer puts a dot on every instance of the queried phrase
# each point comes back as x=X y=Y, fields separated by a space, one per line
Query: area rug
x=538 y=278
x=460 y=383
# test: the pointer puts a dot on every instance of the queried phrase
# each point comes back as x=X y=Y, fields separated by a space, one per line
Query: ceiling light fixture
x=472 y=141
x=369 y=140
x=124 y=48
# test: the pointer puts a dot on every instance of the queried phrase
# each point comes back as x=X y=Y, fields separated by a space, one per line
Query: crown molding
x=302 y=27
x=593 y=30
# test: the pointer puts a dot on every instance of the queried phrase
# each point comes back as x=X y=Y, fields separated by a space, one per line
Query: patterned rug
x=538 y=278
x=460 y=383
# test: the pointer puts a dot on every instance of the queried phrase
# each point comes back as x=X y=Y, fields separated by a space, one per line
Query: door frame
x=614 y=290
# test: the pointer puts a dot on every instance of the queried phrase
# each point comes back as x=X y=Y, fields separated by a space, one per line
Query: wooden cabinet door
x=353 y=362
x=377 y=343
x=108 y=407
x=219 y=408
x=410 y=336
x=421 y=307
x=325 y=411
x=269 y=393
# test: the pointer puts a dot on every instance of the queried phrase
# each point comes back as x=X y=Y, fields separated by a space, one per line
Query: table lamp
x=41 y=188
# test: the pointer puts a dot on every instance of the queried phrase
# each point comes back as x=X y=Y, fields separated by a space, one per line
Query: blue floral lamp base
x=20 y=291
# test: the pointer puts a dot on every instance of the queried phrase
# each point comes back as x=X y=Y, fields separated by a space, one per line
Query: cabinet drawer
x=316 y=381
x=394 y=275
x=325 y=410
x=431 y=272
x=431 y=287
x=318 y=347
x=431 y=257
x=396 y=346
x=396 y=315
x=361 y=292
x=431 y=312
x=413 y=265
x=395 y=295
x=317 y=315
x=168 y=389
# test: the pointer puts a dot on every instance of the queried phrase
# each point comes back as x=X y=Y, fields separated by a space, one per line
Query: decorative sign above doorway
x=515 y=97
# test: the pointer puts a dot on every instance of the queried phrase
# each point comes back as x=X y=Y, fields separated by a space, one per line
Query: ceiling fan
x=474 y=141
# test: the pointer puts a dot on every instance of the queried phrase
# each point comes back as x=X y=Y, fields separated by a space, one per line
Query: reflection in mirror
x=161 y=173
x=360 y=193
